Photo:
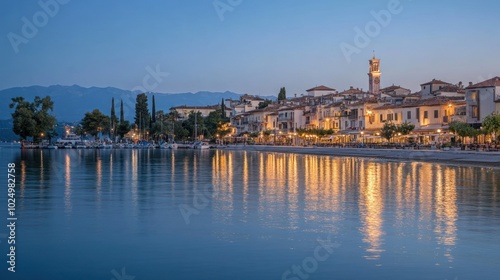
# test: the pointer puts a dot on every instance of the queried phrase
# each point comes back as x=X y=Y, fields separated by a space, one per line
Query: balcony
x=446 y=119
x=284 y=119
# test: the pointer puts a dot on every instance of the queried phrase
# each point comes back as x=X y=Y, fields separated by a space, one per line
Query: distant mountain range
x=72 y=102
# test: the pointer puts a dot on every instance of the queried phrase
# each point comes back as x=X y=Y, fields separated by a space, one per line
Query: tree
x=122 y=115
x=160 y=125
x=388 y=130
x=282 y=94
x=114 y=119
x=195 y=127
x=123 y=128
x=51 y=133
x=153 y=111
x=462 y=129
x=264 y=104
x=142 y=117
x=491 y=125
x=223 y=129
x=405 y=128
x=223 y=109
x=32 y=118
x=212 y=123
x=95 y=122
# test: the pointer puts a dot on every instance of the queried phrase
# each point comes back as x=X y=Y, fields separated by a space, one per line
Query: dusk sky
x=246 y=46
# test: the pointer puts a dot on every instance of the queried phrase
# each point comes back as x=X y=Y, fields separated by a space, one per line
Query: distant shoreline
x=465 y=158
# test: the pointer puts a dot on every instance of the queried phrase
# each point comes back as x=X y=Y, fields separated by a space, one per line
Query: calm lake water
x=160 y=214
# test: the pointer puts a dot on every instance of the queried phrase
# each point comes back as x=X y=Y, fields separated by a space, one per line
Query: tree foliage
x=153 y=111
x=113 y=118
x=223 y=110
x=142 y=117
x=462 y=129
x=122 y=114
x=264 y=104
x=491 y=125
x=320 y=132
x=31 y=119
x=282 y=94
x=405 y=128
x=388 y=130
x=95 y=122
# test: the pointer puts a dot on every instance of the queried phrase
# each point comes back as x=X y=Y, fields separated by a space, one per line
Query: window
x=473 y=96
x=436 y=114
x=381 y=118
x=417 y=114
x=395 y=116
x=389 y=117
x=475 y=111
x=426 y=114
x=408 y=115
x=286 y=115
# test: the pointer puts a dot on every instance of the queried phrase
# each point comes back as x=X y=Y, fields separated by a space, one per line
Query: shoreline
x=482 y=159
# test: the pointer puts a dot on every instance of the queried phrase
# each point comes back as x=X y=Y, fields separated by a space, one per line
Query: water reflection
x=67 y=184
x=377 y=203
x=371 y=205
x=446 y=210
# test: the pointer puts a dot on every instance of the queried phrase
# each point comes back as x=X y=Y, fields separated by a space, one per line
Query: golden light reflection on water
x=67 y=183
x=293 y=190
x=134 y=176
x=98 y=173
x=371 y=207
x=446 y=211
x=222 y=183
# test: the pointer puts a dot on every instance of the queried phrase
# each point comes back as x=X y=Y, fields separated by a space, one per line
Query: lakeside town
x=441 y=115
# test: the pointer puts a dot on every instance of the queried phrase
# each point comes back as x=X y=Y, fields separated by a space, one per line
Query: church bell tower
x=374 y=76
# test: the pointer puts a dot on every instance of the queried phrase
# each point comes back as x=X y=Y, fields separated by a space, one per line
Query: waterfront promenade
x=491 y=159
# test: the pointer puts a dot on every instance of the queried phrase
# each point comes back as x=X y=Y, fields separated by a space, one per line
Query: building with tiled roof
x=320 y=91
x=184 y=111
x=428 y=88
x=483 y=99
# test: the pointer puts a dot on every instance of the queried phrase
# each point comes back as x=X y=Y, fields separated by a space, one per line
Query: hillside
x=72 y=102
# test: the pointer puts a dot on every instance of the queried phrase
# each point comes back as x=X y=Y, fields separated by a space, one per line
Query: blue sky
x=256 y=47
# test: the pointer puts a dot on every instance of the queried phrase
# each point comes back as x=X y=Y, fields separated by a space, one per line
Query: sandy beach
x=490 y=159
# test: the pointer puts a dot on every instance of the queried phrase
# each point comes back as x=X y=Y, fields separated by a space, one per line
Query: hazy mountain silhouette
x=72 y=102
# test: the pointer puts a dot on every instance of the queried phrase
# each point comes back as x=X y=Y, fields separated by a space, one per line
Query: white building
x=482 y=100
x=428 y=88
x=320 y=91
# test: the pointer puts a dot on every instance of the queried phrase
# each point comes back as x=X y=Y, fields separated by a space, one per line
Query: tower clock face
x=377 y=80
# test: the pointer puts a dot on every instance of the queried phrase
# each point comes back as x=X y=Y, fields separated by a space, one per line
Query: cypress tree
x=223 y=109
x=122 y=117
x=153 y=111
